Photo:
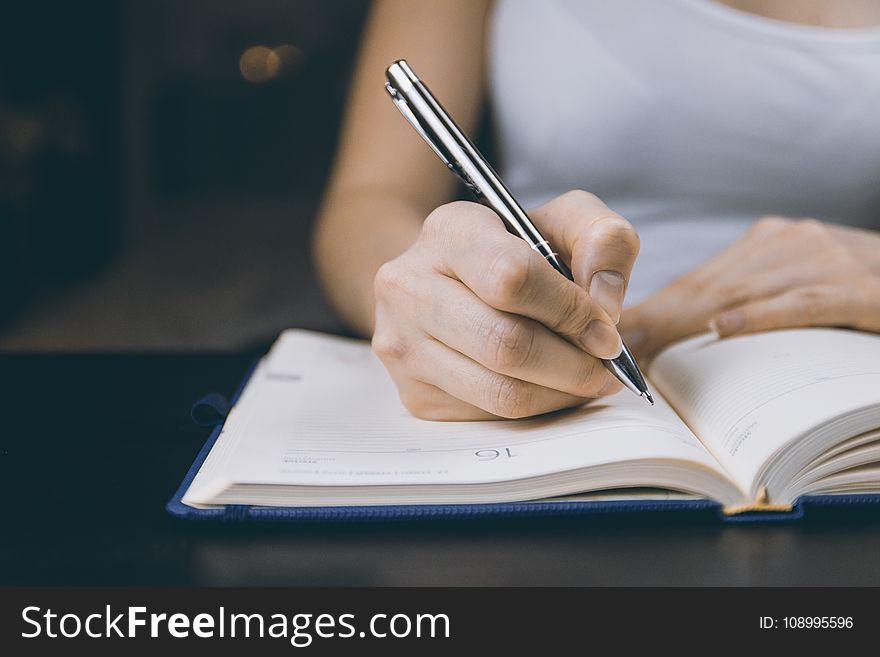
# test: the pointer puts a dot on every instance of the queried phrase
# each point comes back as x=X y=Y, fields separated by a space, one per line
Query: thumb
x=599 y=245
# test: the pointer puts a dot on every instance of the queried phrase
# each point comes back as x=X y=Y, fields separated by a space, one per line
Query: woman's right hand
x=471 y=323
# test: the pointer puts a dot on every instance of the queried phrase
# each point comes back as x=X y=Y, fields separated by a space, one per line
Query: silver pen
x=443 y=135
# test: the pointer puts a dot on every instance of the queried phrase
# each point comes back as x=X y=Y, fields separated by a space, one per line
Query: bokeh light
x=259 y=64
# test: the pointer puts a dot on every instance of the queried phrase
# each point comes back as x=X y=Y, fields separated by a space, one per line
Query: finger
x=513 y=345
x=738 y=275
x=422 y=399
x=501 y=395
x=745 y=273
x=828 y=305
x=508 y=275
x=429 y=402
x=600 y=244
x=763 y=270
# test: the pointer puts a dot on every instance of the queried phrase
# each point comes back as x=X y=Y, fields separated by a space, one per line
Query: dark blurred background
x=160 y=167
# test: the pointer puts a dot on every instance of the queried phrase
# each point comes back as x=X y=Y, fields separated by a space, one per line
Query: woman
x=727 y=136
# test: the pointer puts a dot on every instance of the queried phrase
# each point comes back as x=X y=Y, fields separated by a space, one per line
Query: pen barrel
x=625 y=370
x=553 y=258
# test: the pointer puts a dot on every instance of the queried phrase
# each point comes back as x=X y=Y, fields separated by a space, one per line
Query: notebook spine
x=761 y=504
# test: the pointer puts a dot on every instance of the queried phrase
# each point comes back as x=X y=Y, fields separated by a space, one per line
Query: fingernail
x=601 y=339
x=728 y=323
x=606 y=289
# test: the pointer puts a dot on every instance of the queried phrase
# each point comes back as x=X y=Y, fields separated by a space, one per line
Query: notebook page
x=323 y=411
x=747 y=397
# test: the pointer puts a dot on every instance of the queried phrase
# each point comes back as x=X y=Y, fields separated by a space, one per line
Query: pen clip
x=404 y=108
x=410 y=116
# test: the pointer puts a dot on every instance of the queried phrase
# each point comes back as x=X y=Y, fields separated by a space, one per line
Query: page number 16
x=492 y=454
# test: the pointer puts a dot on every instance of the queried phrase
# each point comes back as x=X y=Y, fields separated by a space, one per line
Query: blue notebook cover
x=212 y=409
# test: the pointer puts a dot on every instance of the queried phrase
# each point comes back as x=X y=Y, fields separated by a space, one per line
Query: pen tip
x=648 y=396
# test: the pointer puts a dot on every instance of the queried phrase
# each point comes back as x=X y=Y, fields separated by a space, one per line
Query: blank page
x=748 y=397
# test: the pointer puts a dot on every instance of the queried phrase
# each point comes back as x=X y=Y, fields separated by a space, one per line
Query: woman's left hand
x=782 y=273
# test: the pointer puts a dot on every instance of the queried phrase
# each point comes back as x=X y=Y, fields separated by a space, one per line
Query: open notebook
x=750 y=423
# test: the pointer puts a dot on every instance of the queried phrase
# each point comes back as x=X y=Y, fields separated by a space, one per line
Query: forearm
x=357 y=232
x=385 y=180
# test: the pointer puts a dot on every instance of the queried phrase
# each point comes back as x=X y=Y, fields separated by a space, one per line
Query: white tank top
x=688 y=117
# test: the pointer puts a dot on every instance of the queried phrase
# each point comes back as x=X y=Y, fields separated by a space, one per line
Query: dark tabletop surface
x=92 y=447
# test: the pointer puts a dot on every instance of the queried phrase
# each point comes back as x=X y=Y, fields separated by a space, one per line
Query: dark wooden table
x=92 y=446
